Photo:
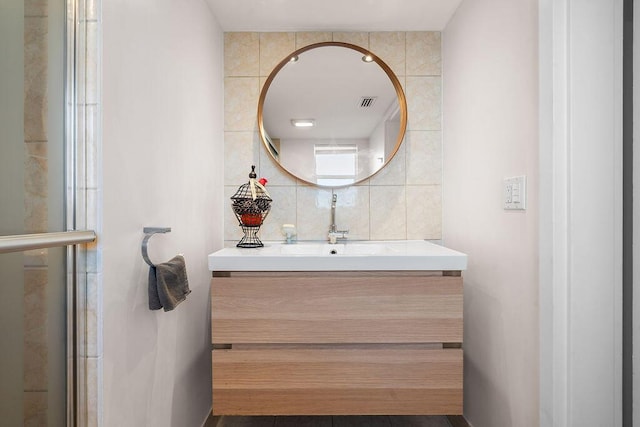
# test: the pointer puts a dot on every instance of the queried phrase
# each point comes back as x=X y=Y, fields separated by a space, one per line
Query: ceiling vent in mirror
x=367 y=101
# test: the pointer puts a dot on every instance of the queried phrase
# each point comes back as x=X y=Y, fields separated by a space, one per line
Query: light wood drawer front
x=336 y=310
x=337 y=382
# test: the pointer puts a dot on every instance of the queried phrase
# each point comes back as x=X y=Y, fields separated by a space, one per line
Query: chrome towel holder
x=148 y=232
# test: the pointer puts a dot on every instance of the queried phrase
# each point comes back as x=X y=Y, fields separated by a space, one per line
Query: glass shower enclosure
x=42 y=254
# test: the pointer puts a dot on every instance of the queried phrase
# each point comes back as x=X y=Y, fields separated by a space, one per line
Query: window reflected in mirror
x=336 y=165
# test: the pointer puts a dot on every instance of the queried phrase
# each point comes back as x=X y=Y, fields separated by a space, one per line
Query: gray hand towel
x=168 y=284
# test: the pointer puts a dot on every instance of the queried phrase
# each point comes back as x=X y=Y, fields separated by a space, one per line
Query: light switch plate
x=515 y=193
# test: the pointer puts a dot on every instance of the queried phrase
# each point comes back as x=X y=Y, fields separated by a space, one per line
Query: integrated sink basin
x=373 y=248
x=350 y=256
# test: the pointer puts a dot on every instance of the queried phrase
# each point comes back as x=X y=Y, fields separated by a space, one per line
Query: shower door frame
x=82 y=154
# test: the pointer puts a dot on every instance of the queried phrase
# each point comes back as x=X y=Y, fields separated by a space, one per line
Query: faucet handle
x=334 y=236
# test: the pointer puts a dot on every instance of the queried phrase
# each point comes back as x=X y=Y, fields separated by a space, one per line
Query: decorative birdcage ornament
x=251 y=205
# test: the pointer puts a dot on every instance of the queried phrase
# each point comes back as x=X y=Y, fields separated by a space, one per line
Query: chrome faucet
x=334 y=233
x=332 y=228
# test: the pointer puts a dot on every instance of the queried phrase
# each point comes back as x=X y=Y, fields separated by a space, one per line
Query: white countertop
x=396 y=255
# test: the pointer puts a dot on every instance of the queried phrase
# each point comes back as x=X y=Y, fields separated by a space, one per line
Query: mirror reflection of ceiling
x=333 y=15
x=332 y=82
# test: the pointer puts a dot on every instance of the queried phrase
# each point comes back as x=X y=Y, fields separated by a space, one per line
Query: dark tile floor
x=329 y=421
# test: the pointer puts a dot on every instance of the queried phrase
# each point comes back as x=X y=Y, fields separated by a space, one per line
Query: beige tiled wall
x=36 y=194
x=403 y=201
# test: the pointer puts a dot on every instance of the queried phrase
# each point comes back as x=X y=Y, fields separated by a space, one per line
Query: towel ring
x=148 y=232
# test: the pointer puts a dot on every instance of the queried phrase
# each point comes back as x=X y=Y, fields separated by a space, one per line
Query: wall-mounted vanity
x=375 y=328
x=365 y=327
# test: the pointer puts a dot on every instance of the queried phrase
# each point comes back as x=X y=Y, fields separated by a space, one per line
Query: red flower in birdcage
x=251 y=204
x=250 y=219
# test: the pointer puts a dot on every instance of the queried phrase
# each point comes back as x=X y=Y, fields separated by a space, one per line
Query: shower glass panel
x=33 y=307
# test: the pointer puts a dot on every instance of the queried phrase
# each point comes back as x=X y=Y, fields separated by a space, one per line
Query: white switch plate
x=515 y=193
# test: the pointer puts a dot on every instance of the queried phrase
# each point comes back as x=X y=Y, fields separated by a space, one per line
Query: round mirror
x=332 y=114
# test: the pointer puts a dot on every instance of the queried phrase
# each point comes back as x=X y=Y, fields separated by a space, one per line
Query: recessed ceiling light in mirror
x=303 y=123
x=367 y=58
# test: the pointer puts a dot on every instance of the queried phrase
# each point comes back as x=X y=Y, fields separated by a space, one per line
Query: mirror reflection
x=332 y=114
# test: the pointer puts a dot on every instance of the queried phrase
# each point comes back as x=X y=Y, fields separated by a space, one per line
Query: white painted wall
x=490 y=111
x=162 y=166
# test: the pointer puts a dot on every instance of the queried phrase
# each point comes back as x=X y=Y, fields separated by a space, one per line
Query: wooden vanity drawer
x=343 y=308
x=375 y=381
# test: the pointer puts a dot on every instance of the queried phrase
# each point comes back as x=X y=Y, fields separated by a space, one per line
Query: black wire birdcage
x=251 y=205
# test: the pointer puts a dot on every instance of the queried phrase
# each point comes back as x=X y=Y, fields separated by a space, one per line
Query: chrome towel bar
x=148 y=232
x=25 y=242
